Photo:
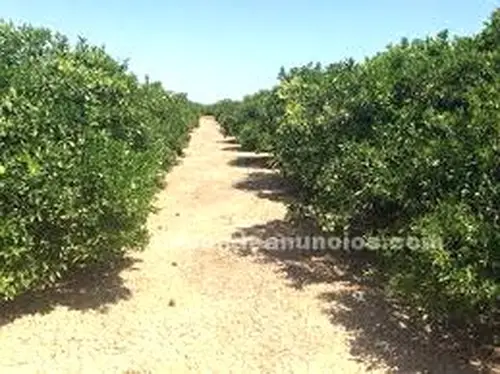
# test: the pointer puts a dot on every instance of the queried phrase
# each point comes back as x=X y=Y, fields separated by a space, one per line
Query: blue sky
x=217 y=49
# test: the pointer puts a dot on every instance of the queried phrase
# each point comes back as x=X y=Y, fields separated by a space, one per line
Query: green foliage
x=253 y=121
x=225 y=112
x=404 y=143
x=82 y=145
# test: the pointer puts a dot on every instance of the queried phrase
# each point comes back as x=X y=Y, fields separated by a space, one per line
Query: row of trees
x=404 y=143
x=83 y=145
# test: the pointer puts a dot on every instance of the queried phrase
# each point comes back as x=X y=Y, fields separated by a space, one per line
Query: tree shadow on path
x=229 y=140
x=382 y=331
x=232 y=148
x=95 y=288
x=252 y=161
x=267 y=185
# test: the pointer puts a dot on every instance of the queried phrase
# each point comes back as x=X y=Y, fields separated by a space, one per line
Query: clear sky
x=217 y=49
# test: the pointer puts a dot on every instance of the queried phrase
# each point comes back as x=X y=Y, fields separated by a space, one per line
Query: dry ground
x=190 y=304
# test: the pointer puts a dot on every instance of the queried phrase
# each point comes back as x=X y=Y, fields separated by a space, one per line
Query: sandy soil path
x=190 y=304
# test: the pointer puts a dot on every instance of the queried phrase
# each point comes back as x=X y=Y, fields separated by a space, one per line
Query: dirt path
x=187 y=304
